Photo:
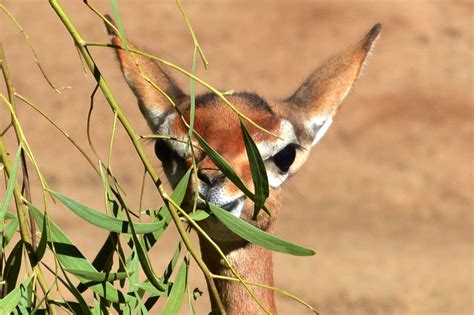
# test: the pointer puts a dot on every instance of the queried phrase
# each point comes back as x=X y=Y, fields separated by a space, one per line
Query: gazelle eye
x=285 y=158
x=162 y=151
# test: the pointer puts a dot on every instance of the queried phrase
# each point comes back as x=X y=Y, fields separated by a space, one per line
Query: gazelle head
x=299 y=121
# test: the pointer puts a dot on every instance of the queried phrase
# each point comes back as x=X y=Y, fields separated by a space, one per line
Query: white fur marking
x=269 y=148
x=322 y=130
x=156 y=117
x=237 y=210
x=276 y=180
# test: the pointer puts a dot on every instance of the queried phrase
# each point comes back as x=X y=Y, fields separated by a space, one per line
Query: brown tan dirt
x=386 y=199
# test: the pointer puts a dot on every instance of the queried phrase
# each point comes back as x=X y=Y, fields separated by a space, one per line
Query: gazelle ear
x=312 y=107
x=142 y=74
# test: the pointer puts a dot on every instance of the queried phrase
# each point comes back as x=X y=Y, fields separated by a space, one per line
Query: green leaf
x=178 y=196
x=120 y=27
x=259 y=173
x=197 y=293
x=143 y=257
x=151 y=290
x=104 y=258
x=10 y=186
x=192 y=107
x=169 y=269
x=12 y=299
x=104 y=221
x=224 y=166
x=132 y=264
x=79 y=308
x=10 y=230
x=12 y=266
x=43 y=241
x=180 y=191
x=10 y=215
x=97 y=309
x=71 y=258
x=199 y=215
x=98 y=276
x=227 y=170
x=257 y=236
x=177 y=291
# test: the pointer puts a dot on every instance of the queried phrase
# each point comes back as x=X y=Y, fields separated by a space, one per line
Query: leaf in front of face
x=199 y=215
x=180 y=191
x=256 y=236
x=224 y=166
x=259 y=173
x=71 y=258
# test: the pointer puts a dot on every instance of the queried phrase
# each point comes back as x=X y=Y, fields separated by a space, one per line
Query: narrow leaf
x=257 y=236
x=98 y=276
x=104 y=221
x=151 y=290
x=199 y=215
x=10 y=215
x=180 y=191
x=10 y=186
x=178 y=197
x=224 y=166
x=11 y=300
x=10 y=230
x=104 y=257
x=43 y=241
x=71 y=258
x=227 y=169
x=12 y=266
x=120 y=27
x=257 y=168
x=143 y=257
x=177 y=291
x=169 y=269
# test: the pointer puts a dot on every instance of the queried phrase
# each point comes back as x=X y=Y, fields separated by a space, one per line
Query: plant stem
x=220 y=94
x=23 y=224
x=281 y=291
x=28 y=239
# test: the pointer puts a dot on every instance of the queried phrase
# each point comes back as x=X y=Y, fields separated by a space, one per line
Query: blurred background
x=386 y=198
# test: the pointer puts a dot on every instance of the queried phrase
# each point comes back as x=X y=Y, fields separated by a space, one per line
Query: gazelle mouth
x=235 y=207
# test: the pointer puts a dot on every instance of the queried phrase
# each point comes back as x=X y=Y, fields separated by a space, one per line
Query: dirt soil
x=386 y=199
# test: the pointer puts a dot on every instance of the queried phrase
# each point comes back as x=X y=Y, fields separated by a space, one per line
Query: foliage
x=121 y=277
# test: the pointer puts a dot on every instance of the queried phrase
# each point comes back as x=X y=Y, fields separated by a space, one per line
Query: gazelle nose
x=210 y=177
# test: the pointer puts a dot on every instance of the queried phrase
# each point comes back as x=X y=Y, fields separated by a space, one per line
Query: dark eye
x=163 y=151
x=285 y=158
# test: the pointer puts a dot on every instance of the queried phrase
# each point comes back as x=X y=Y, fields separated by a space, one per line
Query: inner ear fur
x=313 y=105
x=154 y=88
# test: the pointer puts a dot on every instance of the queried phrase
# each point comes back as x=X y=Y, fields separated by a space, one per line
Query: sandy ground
x=386 y=198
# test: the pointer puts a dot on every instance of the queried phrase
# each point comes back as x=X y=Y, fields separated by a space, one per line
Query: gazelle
x=300 y=121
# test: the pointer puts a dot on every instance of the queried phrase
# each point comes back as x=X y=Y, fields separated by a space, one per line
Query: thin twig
x=220 y=94
x=281 y=291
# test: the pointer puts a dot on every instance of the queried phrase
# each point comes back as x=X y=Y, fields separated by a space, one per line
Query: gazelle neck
x=254 y=264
